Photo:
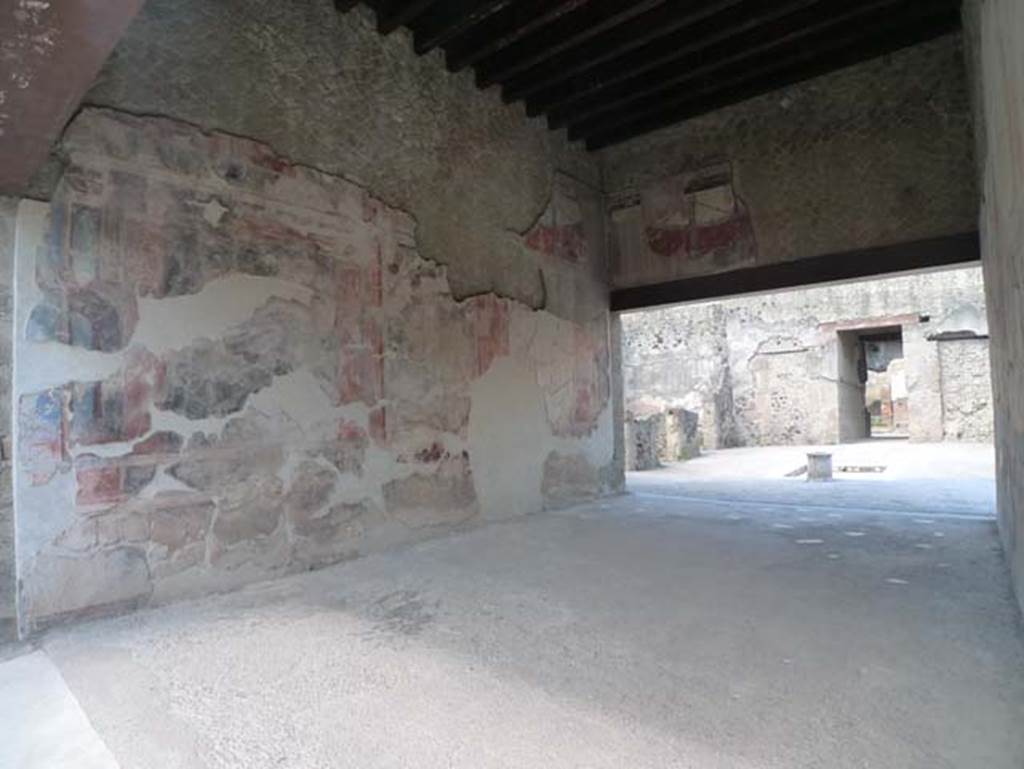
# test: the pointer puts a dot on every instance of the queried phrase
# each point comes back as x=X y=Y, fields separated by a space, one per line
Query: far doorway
x=872 y=384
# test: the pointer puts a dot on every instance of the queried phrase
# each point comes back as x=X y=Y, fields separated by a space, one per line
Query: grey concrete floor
x=951 y=478
x=647 y=630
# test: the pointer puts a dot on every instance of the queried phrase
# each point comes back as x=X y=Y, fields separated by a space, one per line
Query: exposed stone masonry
x=767 y=370
x=665 y=436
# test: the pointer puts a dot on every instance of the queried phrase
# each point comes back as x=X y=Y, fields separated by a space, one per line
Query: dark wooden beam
x=399 y=13
x=673 y=17
x=588 y=78
x=500 y=30
x=697 y=60
x=748 y=81
x=945 y=251
x=447 y=20
x=586 y=21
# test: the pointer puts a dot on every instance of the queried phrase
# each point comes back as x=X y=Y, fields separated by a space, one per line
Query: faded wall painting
x=694 y=222
x=229 y=366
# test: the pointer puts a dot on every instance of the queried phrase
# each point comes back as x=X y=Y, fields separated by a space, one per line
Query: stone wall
x=966 y=381
x=324 y=89
x=782 y=368
x=231 y=366
x=672 y=435
x=876 y=154
x=642 y=439
x=996 y=37
x=314 y=301
x=324 y=298
x=673 y=358
x=8 y=211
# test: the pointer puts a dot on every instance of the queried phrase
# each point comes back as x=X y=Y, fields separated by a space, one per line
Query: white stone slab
x=42 y=725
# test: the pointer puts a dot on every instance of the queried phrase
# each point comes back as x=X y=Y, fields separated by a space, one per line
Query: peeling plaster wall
x=876 y=154
x=996 y=44
x=326 y=90
x=769 y=369
x=229 y=366
x=8 y=212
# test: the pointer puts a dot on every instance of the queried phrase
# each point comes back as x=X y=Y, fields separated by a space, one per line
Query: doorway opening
x=872 y=384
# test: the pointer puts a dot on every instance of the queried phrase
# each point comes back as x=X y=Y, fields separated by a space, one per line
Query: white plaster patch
x=225 y=303
x=44 y=726
x=214 y=211
x=104 y=449
x=53 y=504
x=177 y=423
x=303 y=405
x=164 y=482
x=55 y=364
x=508 y=433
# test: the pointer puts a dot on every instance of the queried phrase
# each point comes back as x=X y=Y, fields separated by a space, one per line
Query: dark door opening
x=872 y=384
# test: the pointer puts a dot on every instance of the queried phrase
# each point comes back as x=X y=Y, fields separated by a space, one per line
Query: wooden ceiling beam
x=400 y=13
x=776 y=72
x=699 y=61
x=501 y=29
x=578 y=79
x=448 y=20
x=571 y=29
x=671 y=18
x=610 y=70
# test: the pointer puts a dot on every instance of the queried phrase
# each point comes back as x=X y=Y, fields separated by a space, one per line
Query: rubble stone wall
x=642 y=439
x=229 y=366
x=966 y=390
x=664 y=436
x=774 y=369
